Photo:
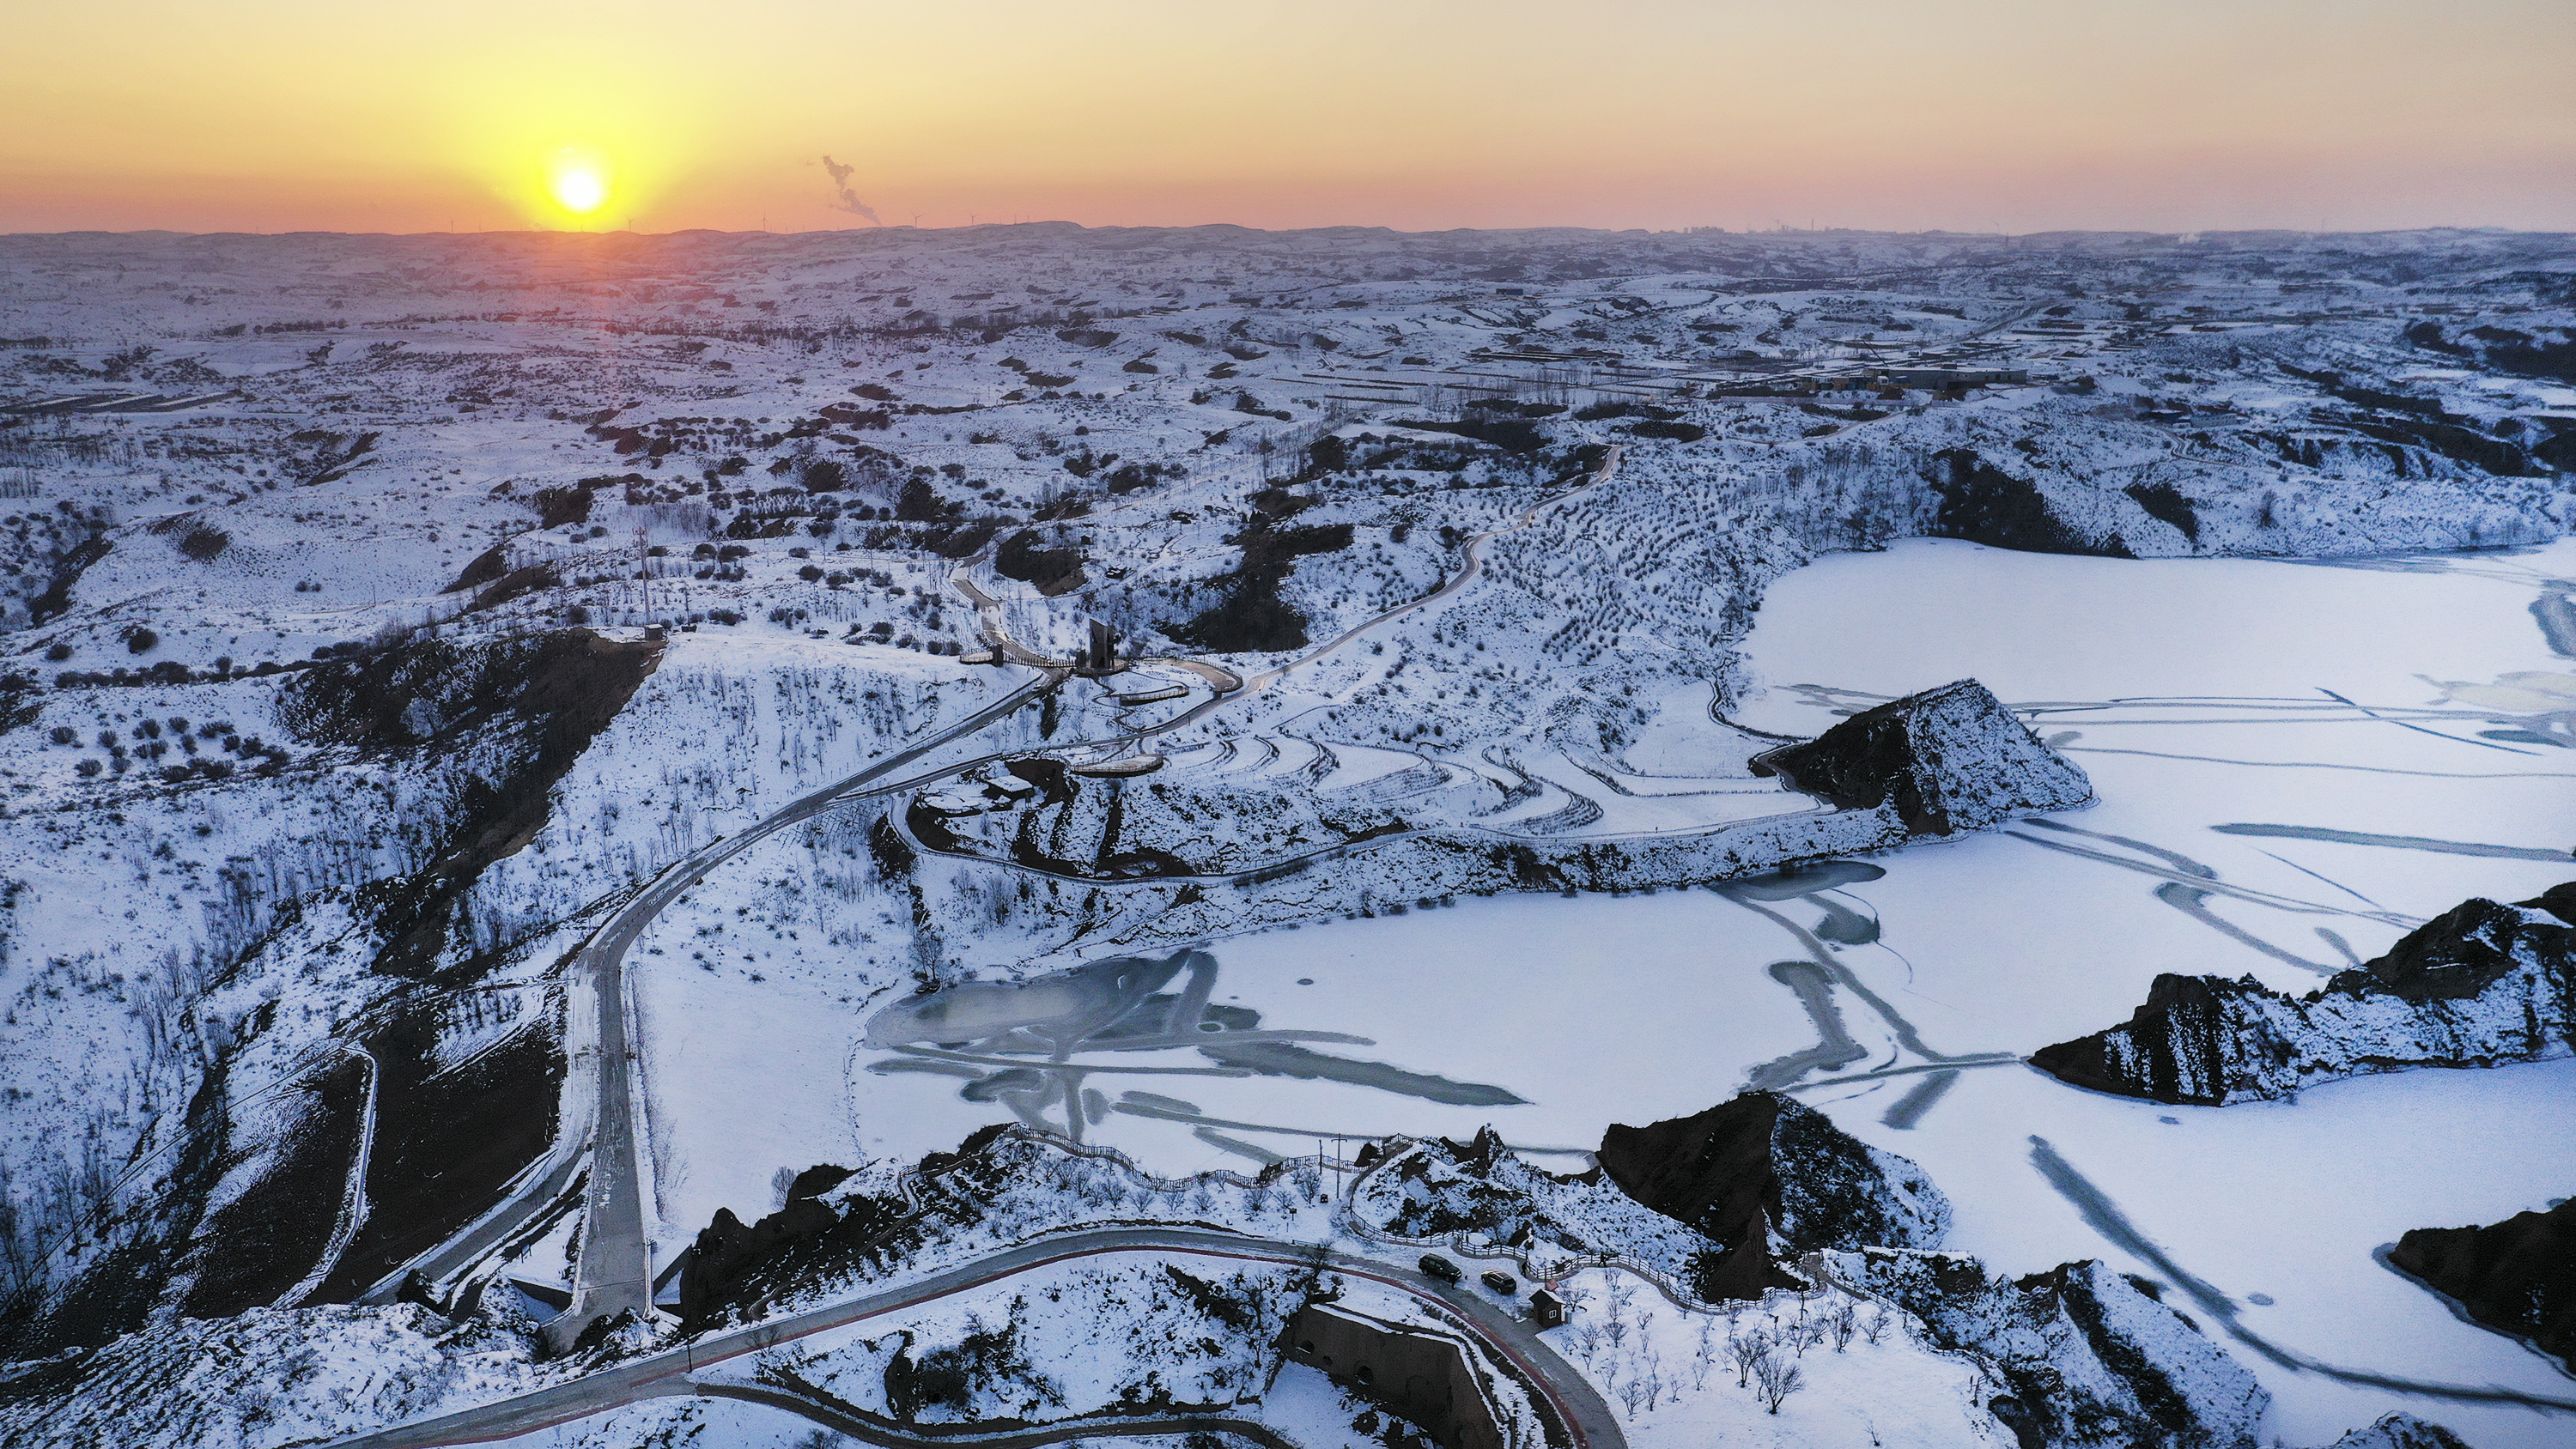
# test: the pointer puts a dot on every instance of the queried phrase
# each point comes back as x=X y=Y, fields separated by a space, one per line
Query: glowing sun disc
x=580 y=189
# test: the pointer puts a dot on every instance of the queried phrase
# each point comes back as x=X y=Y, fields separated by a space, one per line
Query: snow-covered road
x=1578 y=1408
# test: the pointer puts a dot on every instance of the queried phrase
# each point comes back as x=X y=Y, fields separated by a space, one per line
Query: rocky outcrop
x=2092 y=1360
x=1984 y=503
x=1768 y=1180
x=1440 y=1191
x=2481 y=984
x=2517 y=1276
x=2400 y=1431
x=1943 y=761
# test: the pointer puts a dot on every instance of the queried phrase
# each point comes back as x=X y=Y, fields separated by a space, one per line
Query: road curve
x=1581 y=1415
x=615 y=1261
x=869 y=1431
x=614 y=1266
x=614 y=1269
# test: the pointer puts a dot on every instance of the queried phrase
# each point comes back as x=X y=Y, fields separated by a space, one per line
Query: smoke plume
x=849 y=200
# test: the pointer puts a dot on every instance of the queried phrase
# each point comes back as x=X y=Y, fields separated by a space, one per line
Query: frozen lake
x=2296 y=762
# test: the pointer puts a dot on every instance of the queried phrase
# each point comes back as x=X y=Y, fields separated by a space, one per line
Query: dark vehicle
x=1500 y=1281
x=1435 y=1266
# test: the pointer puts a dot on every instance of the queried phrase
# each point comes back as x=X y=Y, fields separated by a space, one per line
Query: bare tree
x=1747 y=1350
x=1775 y=1380
x=1876 y=1325
x=1843 y=1323
x=1633 y=1391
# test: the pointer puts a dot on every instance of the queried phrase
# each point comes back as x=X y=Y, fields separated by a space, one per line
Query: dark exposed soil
x=263 y=1242
x=447 y=1142
x=1754 y=1174
x=1024 y=556
x=518 y=583
x=2517 y=1276
x=487 y=566
x=2166 y=502
x=1984 y=504
x=559 y=506
x=117 y=1287
x=67 y=572
x=538 y=702
x=1253 y=618
x=732 y=1265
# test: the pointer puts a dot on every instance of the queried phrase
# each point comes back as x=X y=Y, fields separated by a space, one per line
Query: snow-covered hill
x=380 y=617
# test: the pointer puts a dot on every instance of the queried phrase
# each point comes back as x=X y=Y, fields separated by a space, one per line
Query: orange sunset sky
x=1972 y=115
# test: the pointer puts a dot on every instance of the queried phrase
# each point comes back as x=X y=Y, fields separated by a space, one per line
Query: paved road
x=1583 y=1420
x=870 y=1431
x=615 y=1261
x=614 y=1266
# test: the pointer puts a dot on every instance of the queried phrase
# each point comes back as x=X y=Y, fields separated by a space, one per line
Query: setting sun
x=578 y=186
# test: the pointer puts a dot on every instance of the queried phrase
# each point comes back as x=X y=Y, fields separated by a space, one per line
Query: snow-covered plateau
x=746 y=840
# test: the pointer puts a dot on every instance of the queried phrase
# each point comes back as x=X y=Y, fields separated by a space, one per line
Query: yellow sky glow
x=1970 y=115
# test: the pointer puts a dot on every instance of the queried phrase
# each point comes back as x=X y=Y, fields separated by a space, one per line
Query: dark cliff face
x=1985 y=504
x=1943 y=761
x=2517 y=1276
x=1768 y=1179
x=2480 y=984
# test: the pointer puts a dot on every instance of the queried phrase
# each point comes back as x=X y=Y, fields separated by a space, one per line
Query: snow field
x=1674 y=1375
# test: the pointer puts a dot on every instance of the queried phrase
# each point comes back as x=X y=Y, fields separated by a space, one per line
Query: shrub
x=1678 y=432
x=141 y=640
x=58 y=652
x=203 y=543
x=559 y=506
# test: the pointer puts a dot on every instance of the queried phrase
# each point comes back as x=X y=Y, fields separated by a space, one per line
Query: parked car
x=1435 y=1266
x=1500 y=1281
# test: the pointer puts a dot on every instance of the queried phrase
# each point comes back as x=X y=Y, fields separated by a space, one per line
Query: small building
x=1546 y=1309
x=1414 y=1371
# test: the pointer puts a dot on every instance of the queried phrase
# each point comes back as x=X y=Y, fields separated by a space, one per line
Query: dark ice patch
x=1280 y=1059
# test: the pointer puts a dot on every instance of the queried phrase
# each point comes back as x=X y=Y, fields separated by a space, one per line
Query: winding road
x=1581 y=1416
x=615 y=1262
x=613 y=1270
